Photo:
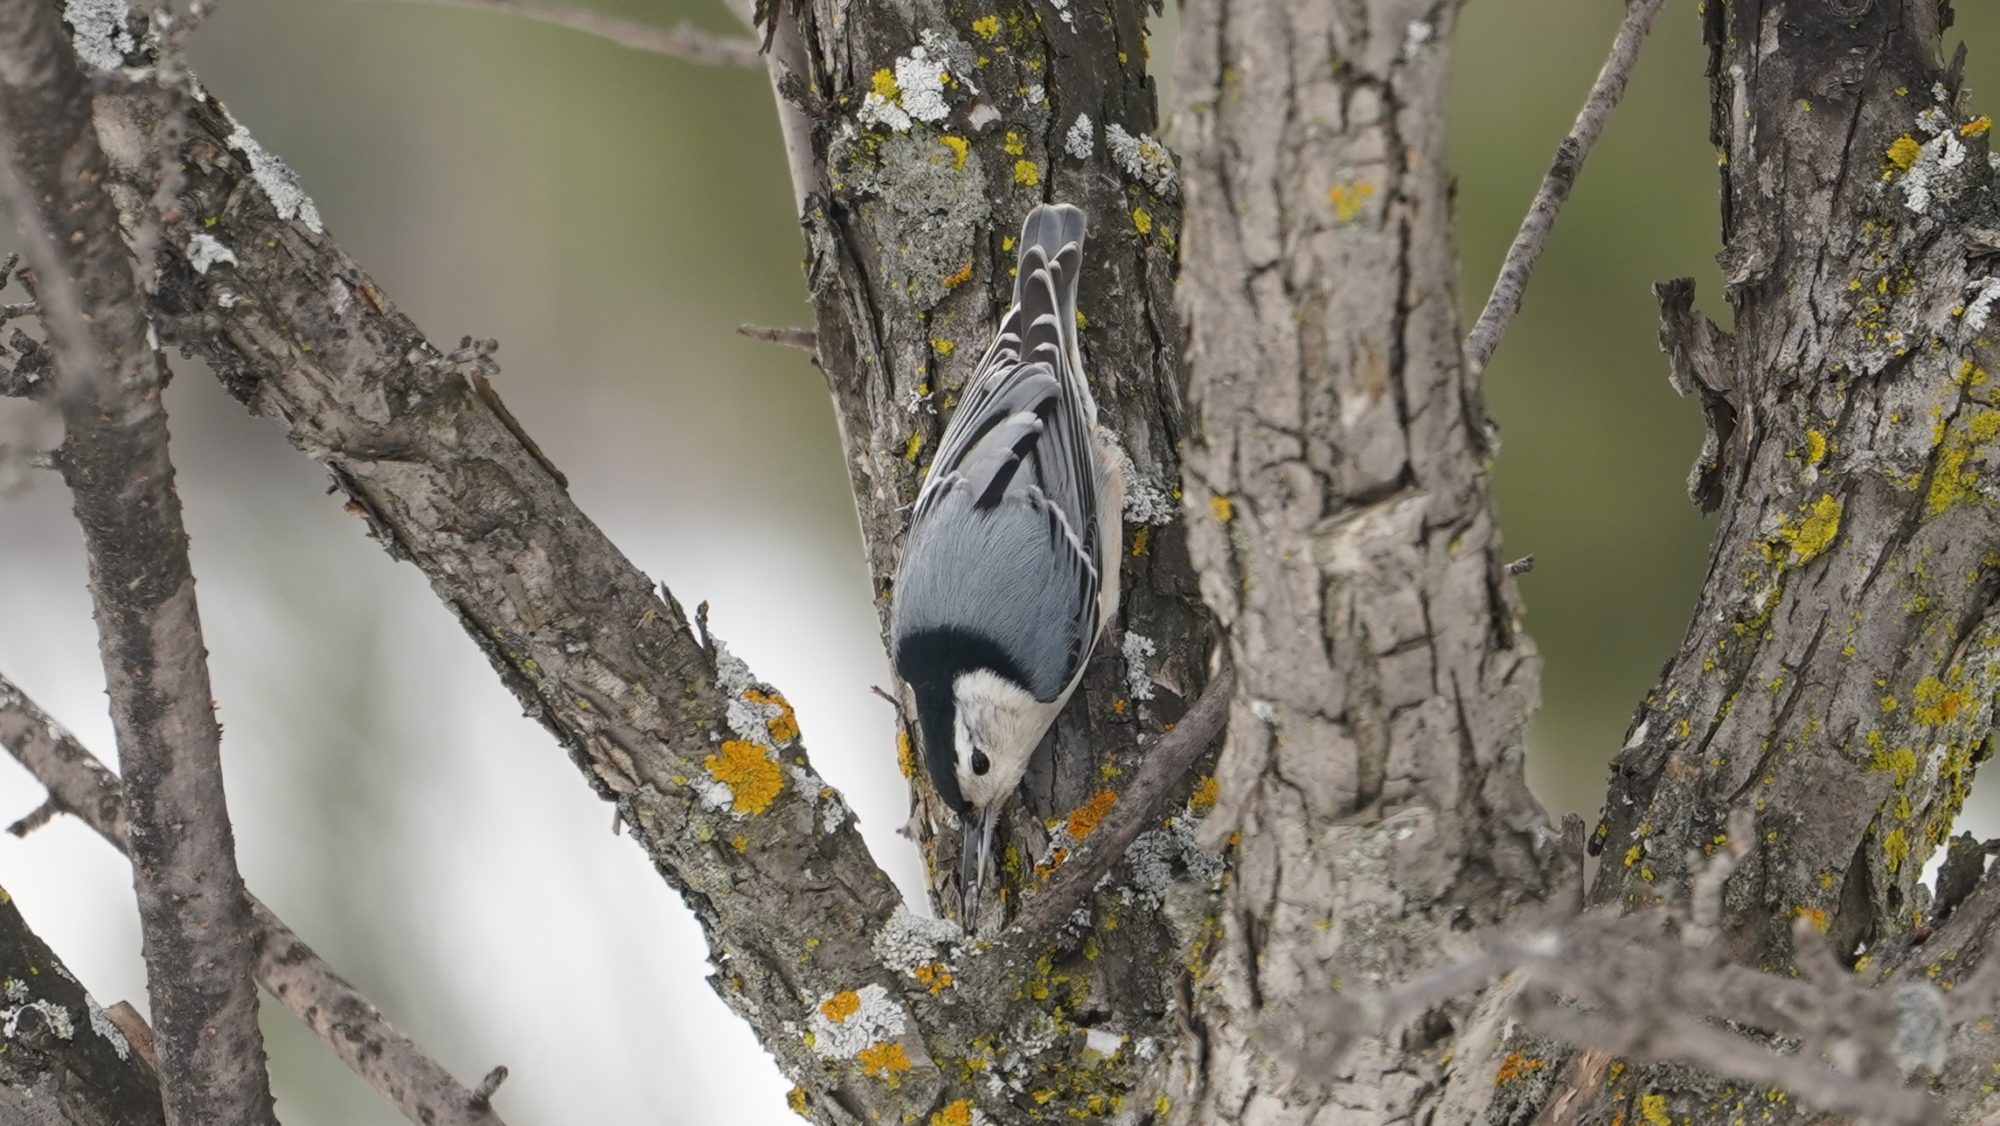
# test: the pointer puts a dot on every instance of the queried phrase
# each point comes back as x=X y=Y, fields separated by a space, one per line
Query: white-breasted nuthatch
x=1010 y=571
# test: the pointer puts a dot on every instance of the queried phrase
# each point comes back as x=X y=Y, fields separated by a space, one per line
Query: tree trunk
x=1347 y=542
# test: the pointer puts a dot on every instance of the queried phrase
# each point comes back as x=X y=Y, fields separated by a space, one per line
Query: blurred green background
x=612 y=217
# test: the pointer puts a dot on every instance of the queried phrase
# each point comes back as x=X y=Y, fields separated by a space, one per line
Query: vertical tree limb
x=396 y=1066
x=194 y=918
x=1345 y=533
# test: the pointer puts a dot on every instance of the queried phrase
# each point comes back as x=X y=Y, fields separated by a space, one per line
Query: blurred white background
x=612 y=217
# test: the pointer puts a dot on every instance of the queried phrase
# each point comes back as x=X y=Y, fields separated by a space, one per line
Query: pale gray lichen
x=909 y=940
x=1980 y=307
x=1416 y=36
x=205 y=250
x=1137 y=648
x=100 y=1023
x=1036 y=94
x=874 y=1017
x=1146 y=500
x=878 y=110
x=919 y=95
x=1143 y=159
x=1080 y=139
x=938 y=206
x=281 y=184
x=832 y=810
x=55 y=1016
x=1103 y=1041
x=99 y=36
x=1157 y=855
x=748 y=716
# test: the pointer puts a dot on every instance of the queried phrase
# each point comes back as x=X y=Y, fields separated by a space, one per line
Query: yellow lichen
x=1016 y=144
x=1348 y=199
x=1085 y=818
x=1139 y=540
x=1205 y=793
x=912 y=446
x=1903 y=151
x=1900 y=764
x=840 y=1006
x=1515 y=1066
x=884 y=82
x=1027 y=172
x=796 y=1099
x=1221 y=506
x=1977 y=127
x=943 y=347
x=933 y=976
x=906 y=761
x=784 y=727
x=958 y=146
x=754 y=781
x=884 y=1058
x=1936 y=704
x=1815 y=914
x=1815 y=447
x=1895 y=848
x=1815 y=530
x=957 y=1113
x=987 y=27
x=1142 y=221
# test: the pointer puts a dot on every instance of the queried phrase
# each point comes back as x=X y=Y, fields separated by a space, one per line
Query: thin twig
x=683 y=41
x=195 y=921
x=804 y=339
x=396 y=1066
x=1505 y=300
x=1167 y=763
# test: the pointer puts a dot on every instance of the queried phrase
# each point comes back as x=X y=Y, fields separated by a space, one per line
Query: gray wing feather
x=1006 y=535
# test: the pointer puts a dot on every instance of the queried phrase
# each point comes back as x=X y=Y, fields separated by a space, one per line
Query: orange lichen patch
x=1140 y=539
x=1815 y=914
x=934 y=977
x=1221 y=506
x=1205 y=793
x=1118 y=706
x=754 y=781
x=1515 y=1066
x=1936 y=704
x=1977 y=127
x=954 y=1114
x=963 y=275
x=1047 y=867
x=1348 y=199
x=1084 y=819
x=784 y=727
x=883 y=1058
x=840 y=1006
x=906 y=759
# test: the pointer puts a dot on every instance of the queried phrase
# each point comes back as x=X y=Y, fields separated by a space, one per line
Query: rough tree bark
x=65 y=1063
x=194 y=918
x=1347 y=541
x=1341 y=523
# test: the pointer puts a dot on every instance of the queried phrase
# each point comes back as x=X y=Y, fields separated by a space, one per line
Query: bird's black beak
x=976 y=849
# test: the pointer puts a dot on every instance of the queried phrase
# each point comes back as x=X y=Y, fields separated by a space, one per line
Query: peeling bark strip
x=287 y=968
x=1345 y=535
x=62 y=1060
x=194 y=919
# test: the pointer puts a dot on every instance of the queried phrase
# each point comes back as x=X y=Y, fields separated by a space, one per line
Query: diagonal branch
x=62 y=1059
x=1540 y=222
x=683 y=41
x=1166 y=765
x=396 y=1066
x=194 y=918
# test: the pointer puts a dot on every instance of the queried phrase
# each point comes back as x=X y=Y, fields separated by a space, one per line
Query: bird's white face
x=997 y=727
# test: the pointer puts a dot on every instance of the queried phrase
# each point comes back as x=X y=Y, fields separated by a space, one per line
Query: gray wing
x=1005 y=537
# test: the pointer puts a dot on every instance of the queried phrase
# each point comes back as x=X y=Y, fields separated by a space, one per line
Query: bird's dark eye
x=980 y=763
